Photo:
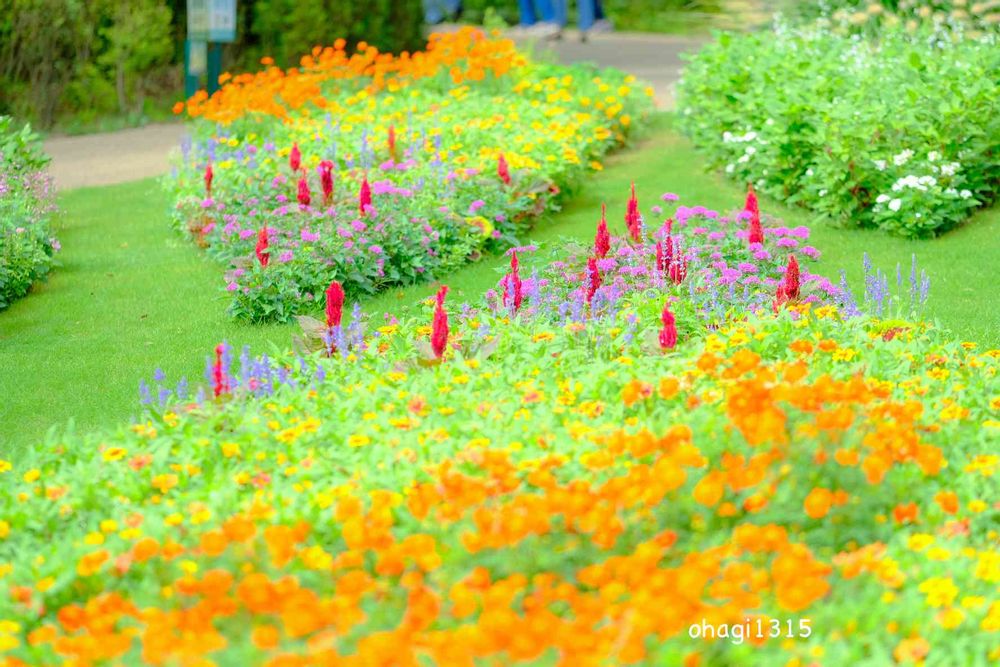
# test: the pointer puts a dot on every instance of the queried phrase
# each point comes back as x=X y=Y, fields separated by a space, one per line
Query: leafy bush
x=867 y=16
x=26 y=206
x=284 y=29
x=539 y=493
x=897 y=133
x=459 y=147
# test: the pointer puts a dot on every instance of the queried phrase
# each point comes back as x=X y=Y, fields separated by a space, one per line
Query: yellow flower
x=93 y=539
x=977 y=506
x=542 y=336
x=32 y=475
x=988 y=566
x=5 y=466
x=973 y=601
x=940 y=591
x=4 y=529
x=230 y=449
x=115 y=453
x=919 y=541
x=358 y=440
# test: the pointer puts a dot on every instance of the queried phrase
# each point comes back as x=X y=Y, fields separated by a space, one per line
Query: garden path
x=133 y=154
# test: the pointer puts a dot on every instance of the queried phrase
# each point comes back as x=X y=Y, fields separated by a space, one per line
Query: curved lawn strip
x=79 y=344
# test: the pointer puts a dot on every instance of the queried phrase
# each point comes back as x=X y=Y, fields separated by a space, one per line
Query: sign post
x=210 y=24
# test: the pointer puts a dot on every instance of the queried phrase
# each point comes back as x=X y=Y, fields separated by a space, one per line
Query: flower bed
x=579 y=470
x=894 y=132
x=377 y=170
x=27 y=203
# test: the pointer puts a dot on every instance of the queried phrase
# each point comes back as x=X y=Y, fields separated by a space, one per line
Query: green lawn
x=132 y=296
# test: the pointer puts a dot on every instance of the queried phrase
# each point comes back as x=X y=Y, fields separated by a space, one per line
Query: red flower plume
x=326 y=180
x=439 y=329
x=678 y=270
x=595 y=279
x=392 y=142
x=220 y=383
x=512 y=291
x=263 y=256
x=334 y=304
x=209 y=175
x=790 y=285
x=365 y=196
x=295 y=158
x=503 y=171
x=632 y=221
x=751 y=204
x=756 y=231
x=602 y=242
x=304 y=196
x=668 y=333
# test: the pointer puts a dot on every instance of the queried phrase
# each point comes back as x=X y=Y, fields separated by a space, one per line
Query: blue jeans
x=528 y=8
x=435 y=11
x=590 y=11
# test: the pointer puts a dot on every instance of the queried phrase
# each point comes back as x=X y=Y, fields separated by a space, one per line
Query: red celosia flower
x=209 y=175
x=439 y=329
x=326 y=180
x=295 y=158
x=334 y=304
x=305 y=197
x=503 y=171
x=602 y=242
x=219 y=380
x=632 y=220
x=665 y=255
x=595 y=278
x=751 y=204
x=790 y=285
x=756 y=231
x=263 y=256
x=678 y=270
x=392 y=142
x=365 y=196
x=512 y=291
x=668 y=334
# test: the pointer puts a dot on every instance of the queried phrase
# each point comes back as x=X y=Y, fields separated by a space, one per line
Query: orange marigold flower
x=817 y=503
x=708 y=491
x=948 y=501
x=914 y=649
x=265 y=637
x=905 y=513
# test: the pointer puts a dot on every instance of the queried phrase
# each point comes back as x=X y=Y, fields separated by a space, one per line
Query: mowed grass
x=132 y=296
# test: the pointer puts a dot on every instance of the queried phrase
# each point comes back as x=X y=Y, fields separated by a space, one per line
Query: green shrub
x=899 y=133
x=284 y=29
x=26 y=206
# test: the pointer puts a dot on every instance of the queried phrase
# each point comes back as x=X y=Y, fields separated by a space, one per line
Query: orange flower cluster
x=465 y=55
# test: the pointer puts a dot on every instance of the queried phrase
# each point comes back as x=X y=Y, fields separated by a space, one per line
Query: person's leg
x=527 y=9
x=548 y=11
x=587 y=12
x=432 y=12
x=598 y=10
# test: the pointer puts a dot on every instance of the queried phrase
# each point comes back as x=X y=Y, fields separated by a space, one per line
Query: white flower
x=727 y=136
x=895 y=204
x=822 y=193
x=729 y=168
x=965 y=194
x=950 y=169
x=809 y=172
x=744 y=158
x=902 y=158
x=749 y=136
x=881 y=199
x=769 y=121
x=880 y=165
x=933 y=156
x=751 y=150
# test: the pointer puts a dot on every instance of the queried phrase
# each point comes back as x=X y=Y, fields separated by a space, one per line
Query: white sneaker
x=602 y=25
x=544 y=30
